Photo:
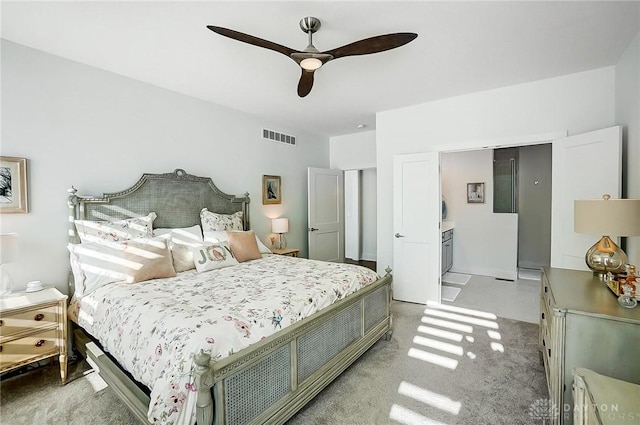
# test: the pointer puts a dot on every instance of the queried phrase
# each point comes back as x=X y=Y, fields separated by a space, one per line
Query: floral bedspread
x=154 y=328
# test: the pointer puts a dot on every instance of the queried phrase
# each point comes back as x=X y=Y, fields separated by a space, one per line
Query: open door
x=416 y=226
x=326 y=214
x=584 y=166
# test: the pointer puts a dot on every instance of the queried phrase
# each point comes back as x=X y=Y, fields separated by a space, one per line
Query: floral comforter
x=154 y=328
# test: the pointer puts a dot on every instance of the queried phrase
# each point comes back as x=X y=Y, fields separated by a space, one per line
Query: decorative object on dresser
x=271 y=190
x=475 y=193
x=607 y=217
x=33 y=326
x=290 y=252
x=13 y=185
x=8 y=253
x=582 y=325
x=280 y=226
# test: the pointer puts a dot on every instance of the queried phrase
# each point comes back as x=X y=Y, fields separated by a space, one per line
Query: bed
x=276 y=372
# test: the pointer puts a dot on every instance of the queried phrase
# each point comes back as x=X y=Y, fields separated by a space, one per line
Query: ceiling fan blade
x=249 y=39
x=306 y=83
x=376 y=44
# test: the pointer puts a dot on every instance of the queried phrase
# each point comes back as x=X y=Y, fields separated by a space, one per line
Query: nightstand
x=33 y=327
x=289 y=252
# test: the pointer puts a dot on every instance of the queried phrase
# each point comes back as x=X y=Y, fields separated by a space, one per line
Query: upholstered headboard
x=177 y=199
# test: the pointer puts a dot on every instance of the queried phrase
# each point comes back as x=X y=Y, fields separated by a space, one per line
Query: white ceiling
x=462 y=47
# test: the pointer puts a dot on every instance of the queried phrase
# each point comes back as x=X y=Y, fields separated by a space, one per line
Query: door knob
x=398 y=235
x=313 y=229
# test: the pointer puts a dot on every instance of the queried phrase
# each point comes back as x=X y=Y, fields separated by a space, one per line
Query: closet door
x=326 y=214
x=584 y=166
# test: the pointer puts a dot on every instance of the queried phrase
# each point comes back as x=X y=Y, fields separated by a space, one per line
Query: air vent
x=276 y=136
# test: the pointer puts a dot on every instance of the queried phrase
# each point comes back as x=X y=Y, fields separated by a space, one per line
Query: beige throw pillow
x=97 y=264
x=244 y=246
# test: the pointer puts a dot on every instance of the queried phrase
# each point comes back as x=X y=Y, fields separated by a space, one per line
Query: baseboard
x=368 y=256
x=501 y=274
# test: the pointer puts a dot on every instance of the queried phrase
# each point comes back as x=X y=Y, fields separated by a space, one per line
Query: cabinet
x=582 y=325
x=447 y=250
x=33 y=326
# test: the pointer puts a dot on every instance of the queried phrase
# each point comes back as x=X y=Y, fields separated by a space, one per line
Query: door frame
x=474 y=145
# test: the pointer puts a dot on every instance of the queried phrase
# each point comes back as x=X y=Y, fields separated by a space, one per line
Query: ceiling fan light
x=310 y=64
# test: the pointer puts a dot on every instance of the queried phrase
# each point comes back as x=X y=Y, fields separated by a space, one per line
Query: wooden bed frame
x=269 y=381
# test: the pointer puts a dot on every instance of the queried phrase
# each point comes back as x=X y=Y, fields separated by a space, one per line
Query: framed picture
x=475 y=193
x=271 y=190
x=13 y=185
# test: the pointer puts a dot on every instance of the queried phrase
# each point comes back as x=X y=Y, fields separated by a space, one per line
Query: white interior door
x=416 y=225
x=326 y=214
x=583 y=166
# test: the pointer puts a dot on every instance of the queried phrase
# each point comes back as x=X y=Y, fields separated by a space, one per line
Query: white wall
x=369 y=217
x=353 y=151
x=100 y=131
x=628 y=115
x=352 y=216
x=484 y=243
x=357 y=151
x=576 y=103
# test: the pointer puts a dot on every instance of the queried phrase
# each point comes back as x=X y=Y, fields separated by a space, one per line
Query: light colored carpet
x=442 y=366
x=456 y=278
x=449 y=293
x=519 y=300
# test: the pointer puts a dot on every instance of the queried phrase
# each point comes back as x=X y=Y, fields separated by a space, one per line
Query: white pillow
x=221 y=236
x=96 y=264
x=115 y=231
x=180 y=242
x=212 y=256
x=214 y=221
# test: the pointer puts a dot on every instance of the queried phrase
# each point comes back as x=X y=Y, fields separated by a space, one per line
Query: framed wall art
x=475 y=193
x=271 y=190
x=13 y=185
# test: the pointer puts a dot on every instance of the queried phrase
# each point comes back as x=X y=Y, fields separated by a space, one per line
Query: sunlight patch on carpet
x=430 y=398
x=409 y=417
x=435 y=359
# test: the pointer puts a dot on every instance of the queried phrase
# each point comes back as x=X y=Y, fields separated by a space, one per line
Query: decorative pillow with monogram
x=212 y=256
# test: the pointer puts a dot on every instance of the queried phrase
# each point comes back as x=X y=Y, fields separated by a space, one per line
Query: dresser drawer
x=12 y=323
x=28 y=348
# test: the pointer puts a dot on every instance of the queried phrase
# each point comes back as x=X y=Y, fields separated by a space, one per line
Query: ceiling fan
x=310 y=59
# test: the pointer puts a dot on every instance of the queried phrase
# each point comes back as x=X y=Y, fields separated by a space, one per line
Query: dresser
x=582 y=325
x=33 y=327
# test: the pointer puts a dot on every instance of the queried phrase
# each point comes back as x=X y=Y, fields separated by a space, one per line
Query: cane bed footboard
x=271 y=380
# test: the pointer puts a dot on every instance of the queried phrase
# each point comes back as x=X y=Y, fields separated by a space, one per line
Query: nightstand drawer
x=28 y=348
x=19 y=322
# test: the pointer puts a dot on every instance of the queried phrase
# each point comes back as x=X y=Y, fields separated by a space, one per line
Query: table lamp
x=8 y=254
x=280 y=226
x=607 y=217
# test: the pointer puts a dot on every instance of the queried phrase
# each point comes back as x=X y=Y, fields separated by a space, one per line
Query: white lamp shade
x=8 y=247
x=612 y=217
x=280 y=225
